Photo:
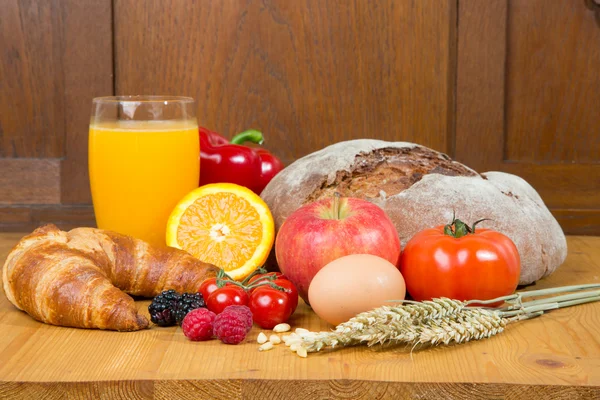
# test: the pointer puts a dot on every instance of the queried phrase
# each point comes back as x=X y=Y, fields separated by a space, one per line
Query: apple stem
x=336 y=205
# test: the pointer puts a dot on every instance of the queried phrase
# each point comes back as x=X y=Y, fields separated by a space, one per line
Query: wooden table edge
x=282 y=388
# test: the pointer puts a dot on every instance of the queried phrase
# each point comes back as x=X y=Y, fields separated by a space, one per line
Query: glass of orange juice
x=143 y=158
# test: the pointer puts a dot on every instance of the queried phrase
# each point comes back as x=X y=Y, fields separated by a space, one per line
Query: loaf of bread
x=80 y=278
x=421 y=188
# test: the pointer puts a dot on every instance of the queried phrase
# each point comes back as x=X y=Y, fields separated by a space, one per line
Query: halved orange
x=224 y=224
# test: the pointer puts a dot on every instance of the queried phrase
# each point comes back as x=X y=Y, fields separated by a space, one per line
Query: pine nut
x=281 y=328
x=266 y=346
x=294 y=347
x=262 y=338
x=302 y=352
x=301 y=331
x=274 y=339
x=291 y=339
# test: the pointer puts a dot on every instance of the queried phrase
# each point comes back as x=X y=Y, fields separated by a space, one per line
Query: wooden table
x=555 y=356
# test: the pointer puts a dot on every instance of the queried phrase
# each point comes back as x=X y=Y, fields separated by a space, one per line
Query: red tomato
x=207 y=287
x=270 y=307
x=280 y=280
x=481 y=265
x=291 y=291
x=226 y=296
x=264 y=277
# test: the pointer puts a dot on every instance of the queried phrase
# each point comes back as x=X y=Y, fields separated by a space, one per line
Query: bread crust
x=420 y=188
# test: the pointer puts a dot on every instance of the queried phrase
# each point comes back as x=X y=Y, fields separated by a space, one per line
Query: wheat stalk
x=440 y=321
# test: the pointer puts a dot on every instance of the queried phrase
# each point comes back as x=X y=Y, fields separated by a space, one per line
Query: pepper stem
x=251 y=135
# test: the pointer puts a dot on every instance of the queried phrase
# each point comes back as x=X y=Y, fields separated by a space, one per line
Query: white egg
x=353 y=284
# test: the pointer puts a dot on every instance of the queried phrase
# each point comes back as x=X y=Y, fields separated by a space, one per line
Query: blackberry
x=187 y=303
x=170 y=308
x=162 y=308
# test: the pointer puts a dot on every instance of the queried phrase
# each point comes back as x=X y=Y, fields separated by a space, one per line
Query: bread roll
x=421 y=188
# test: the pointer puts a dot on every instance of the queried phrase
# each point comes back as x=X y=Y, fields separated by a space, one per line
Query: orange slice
x=223 y=224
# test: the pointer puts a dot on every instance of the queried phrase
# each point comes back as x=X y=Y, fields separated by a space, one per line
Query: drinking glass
x=143 y=158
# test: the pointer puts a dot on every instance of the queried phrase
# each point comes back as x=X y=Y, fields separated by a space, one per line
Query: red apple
x=324 y=230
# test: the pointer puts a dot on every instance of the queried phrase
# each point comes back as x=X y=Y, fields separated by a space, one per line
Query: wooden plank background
x=535 y=116
x=492 y=83
x=55 y=56
x=307 y=73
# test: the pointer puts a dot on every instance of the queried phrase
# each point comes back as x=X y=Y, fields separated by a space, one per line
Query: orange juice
x=139 y=170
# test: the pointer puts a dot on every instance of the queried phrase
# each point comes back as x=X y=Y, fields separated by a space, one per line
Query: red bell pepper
x=225 y=161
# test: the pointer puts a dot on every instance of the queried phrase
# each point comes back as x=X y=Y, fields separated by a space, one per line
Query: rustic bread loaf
x=420 y=188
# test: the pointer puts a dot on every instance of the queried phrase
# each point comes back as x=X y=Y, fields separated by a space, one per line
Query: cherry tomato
x=264 y=277
x=280 y=280
x=461 y=263
x=207 y=287
x=291 y=291
x=270 y=307
x=226 y=296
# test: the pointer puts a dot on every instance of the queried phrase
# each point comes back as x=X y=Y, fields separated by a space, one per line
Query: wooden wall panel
x=521 y=76
x=26 y=218
x=307 y=73
x=89 y=68
x=538 y=121
x=55 y=56
x=480 y=83
x=29 y=181
x=553 y=82
x=32 y=79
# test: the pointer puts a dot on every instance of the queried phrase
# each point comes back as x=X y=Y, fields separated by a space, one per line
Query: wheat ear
x=456 y=327
x=439 y=321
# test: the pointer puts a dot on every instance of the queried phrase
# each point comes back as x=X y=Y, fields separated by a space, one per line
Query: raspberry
x=231 y=327
x=198 y=324
x=244 y=313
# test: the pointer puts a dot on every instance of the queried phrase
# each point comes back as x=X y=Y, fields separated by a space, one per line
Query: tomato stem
x=478 y=221
x=223 y=279
x=260 y=270
x=458 y=229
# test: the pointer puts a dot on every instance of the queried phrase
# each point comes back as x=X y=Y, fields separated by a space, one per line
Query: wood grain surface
x=584 y=221
x=32 y=86
x=526 y=96
x=88 y=66
x=556 y=356
x=14 y=218
x=510 y=86
x=29 y=181
x=552 y=65
x=479 y=84
x=307 y=73
x=55 y=56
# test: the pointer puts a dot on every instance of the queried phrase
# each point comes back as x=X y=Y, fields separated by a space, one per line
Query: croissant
x=79 y=278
